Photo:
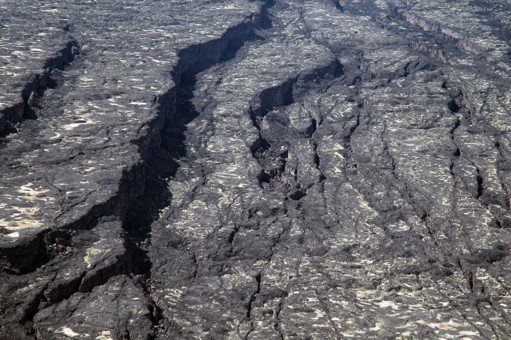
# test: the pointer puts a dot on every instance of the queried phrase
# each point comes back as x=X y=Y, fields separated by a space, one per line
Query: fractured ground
x=255 y=170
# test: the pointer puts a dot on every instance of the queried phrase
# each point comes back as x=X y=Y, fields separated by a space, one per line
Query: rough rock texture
x=255 y=170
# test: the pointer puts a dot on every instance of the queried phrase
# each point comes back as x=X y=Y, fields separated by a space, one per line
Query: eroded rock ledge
x=290 y=169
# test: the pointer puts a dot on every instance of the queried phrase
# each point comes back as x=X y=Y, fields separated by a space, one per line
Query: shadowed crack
x=278 y=99
x=253 y=297
x=178 y=114
x=11 y=117
x=143 y=188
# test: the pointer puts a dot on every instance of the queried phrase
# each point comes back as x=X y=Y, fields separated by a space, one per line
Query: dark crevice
x=279 y=98
x=298 y=195
x=459 y=104
x=31 y=309
x=471 y=282
x=11 y=117
x=477 y=295
x=348 y=153
x=356 y=120
x=143 y=189
x=317 y=163
x=363 y=117
x=230 y=239
x=254 y=295
x=447 y=297
x=177 y=111
x=480 y=186
x=312 y=128
x=25 y=258
x=338 y=5
x=457 y=152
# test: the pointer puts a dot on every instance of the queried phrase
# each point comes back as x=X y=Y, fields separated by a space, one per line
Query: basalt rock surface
x=255 y=169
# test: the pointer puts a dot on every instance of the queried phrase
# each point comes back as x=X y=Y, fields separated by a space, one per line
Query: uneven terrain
x=281 y=169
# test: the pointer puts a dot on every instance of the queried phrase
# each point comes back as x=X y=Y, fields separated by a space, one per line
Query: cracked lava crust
x=281 y=169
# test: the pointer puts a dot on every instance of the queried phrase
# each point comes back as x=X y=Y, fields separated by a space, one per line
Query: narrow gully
x=162 y=162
